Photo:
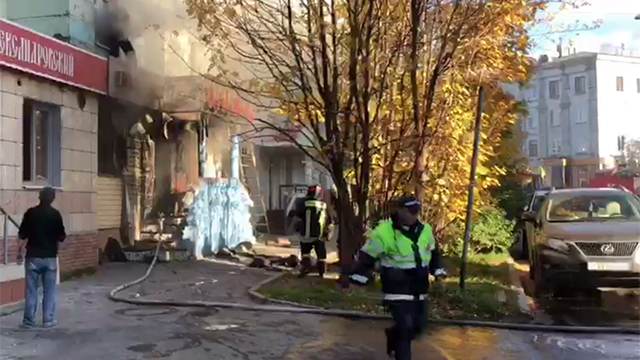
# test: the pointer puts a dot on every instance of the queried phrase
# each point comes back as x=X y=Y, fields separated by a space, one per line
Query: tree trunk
x=420 y=174
x=350 y=233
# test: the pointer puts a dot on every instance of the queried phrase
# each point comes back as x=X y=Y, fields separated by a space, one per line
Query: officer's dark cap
x=410 y=203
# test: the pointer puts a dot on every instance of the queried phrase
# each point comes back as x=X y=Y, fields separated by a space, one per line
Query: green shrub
x=511 y=197
x=491 y=233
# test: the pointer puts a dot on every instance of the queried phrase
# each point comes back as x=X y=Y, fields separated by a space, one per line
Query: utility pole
x=472 y=185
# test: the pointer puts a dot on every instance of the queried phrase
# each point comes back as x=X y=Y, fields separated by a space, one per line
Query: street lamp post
x=477 y=132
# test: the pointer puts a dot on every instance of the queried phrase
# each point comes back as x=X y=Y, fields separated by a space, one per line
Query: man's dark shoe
x=303 y=273
x=305 y=267
x=49 y=325
x=391 y=342
x=322 y=267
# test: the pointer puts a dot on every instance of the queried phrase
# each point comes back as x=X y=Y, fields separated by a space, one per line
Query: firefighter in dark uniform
x=313 y=230
x=407 y=253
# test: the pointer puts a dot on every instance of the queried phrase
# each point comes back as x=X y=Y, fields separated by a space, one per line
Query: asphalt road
x=94 y=328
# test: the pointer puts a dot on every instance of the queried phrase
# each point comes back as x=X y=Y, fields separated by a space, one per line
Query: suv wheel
x=539 y=276
x=532 y=267
x=525 y=246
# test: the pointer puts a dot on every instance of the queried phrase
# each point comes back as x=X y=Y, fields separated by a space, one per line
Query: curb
x=522 y=299
x=298 y=309
x=12 y=308
x=254 y=294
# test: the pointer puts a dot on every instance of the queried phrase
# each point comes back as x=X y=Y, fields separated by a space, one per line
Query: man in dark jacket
x=407 y=252
x=43 y=229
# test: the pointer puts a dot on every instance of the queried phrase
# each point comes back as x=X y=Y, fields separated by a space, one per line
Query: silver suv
x=586 y=238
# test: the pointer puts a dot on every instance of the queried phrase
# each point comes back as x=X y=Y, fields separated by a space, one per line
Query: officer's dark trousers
x=321 y=253
x=410 y=319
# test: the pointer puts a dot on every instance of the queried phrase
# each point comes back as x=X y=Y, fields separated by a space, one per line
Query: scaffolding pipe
x=235 y=158
x=4 y=240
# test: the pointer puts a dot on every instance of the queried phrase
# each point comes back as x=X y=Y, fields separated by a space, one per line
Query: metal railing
x=6 y=218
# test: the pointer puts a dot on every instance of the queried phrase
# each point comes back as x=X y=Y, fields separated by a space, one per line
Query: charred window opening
x=111 y=144
x=111 y=22
x=41 y=150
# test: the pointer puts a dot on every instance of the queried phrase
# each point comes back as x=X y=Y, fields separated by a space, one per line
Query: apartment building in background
x=580 y=108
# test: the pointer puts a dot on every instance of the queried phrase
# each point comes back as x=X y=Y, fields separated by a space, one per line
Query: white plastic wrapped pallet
x=220 y=217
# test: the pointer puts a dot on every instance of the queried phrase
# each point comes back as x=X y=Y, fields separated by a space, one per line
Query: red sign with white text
x=220 y=98
x=28 y=51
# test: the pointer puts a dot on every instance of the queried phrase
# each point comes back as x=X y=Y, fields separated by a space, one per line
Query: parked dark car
x=524 y=229
x=585 y=238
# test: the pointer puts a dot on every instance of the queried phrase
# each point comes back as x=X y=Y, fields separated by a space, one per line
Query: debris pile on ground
x=275 y=262
x=113 y=251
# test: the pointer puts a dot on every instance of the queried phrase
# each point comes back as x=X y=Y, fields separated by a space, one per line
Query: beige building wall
x=76 y=195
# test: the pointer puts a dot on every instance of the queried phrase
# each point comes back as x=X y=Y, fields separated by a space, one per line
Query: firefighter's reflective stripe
x=315 y=204
x=399 y=263
x=399 y=297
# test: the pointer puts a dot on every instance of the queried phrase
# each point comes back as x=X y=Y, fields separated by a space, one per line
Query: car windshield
x=576 y=207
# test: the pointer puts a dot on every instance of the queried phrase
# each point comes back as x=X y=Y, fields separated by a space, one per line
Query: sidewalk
x=93 y=327
x=204 y=280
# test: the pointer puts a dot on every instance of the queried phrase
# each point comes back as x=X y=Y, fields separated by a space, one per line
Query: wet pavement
x=94 y=328
x=207 y=281
x=601 y=307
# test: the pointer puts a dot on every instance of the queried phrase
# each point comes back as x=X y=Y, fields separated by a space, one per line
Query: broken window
x=112 y=147
x=41 y=143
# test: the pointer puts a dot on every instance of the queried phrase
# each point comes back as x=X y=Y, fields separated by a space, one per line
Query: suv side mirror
x=529 y=216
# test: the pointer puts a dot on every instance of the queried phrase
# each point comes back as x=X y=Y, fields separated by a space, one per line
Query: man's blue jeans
x=37 y=269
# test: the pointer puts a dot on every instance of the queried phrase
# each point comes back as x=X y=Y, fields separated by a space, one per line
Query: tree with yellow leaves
x=380 y=89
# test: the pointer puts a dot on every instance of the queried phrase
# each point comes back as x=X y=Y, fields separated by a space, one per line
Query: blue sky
x=616 y=27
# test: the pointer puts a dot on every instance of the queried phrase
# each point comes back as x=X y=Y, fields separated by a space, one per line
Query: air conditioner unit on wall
x=121 y=79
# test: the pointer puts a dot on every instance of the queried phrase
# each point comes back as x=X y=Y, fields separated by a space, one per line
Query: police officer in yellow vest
x=407 y=253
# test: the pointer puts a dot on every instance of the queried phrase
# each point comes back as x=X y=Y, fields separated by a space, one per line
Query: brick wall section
x=13 y=249
x=79 y=251
x=11 y=291
x=77 y=200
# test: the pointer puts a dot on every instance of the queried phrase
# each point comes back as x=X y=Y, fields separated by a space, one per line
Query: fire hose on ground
x=113 y=295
